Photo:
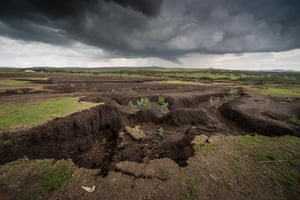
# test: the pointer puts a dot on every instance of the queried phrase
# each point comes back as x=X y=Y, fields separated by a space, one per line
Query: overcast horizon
x=231 y=34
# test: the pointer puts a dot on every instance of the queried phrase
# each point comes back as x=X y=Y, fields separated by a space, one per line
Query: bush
x=130 y=104
x=161 y=101
x=160 y=132
x=143 y=102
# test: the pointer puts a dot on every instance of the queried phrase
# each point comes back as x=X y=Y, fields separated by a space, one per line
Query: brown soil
x=263 y=115
x=97 y=138
x=91 y=138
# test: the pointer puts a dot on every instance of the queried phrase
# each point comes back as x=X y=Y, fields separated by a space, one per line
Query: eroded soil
x=99 y=143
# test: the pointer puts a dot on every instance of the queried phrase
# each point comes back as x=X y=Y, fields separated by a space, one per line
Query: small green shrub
x=7 y=142
x=165 y=106
x=143 y=102
x=229 y=186
x=294 y=120
x=130 y=103
x=165 y=172
x=234 y=92
x=194 y=192
x=160 y=132
x=161 y=101
x=94 y=89
x=52 y=178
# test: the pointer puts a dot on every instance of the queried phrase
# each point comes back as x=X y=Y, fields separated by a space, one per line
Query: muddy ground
x=141 y=152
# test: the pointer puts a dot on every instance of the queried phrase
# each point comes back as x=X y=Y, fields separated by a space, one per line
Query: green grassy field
x=217 y=75
x=14 y=82
x=29 y=114
x=247 y=163
x=293 y=92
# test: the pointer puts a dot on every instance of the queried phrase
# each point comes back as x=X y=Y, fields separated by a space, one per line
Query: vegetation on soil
x=143 y=102
x=130 y=103
x=280 y=155
x=160 y=132
x=217 y=75
x=14 y=115
x=14 y=82
x=234 y=92
x=286 y=92
x=165 y=172
x=161 y=101
x=253 y=164
x=193 y=191
x=294 y=120
x=52 y=178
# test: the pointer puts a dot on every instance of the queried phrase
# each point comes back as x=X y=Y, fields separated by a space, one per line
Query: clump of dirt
x=263 y=116
x=176 y=102
x=9 y=92
x=186 y=116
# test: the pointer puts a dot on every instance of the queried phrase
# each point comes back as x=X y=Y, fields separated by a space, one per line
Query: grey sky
x=260 y=34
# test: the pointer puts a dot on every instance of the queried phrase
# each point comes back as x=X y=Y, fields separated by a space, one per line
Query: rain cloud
x=167 y=29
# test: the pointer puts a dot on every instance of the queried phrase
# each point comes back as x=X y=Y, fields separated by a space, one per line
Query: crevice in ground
x=91 y=139
x=98 y=138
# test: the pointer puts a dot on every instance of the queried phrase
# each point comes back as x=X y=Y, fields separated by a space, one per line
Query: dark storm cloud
x=161 y=28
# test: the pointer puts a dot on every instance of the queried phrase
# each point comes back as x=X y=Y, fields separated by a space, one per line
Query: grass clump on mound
x=13 y=115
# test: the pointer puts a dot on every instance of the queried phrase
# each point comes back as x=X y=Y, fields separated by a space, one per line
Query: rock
x=121 y=145
x=152 y=169
x=136 y=133
x=213 y=177
x=121 y=135
x=200 y=140
x=89 y=189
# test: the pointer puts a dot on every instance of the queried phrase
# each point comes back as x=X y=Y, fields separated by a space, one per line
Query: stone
x=200 y=140
x=136 y=133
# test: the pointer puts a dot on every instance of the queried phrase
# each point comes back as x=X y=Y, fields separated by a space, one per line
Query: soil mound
x=263 y=116
x=93 y=139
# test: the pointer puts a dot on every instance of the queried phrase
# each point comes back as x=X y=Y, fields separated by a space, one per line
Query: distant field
x=293 y=92
x=29 y=114
x=14 y=82
x=223 y=75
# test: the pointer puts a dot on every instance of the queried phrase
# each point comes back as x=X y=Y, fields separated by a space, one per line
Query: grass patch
x=289 y=178
x=234 y=165
x=182 y=178
x=263 y=148
x=165 y=172
x=193 y=189
x=178 y=82
x=143 y=102
x=7 y=142
x=294 y=120
x=5 y=88
x=279 y=155
x=229 y=186
x=52 y=178
x=15 y=82
x=36 y=79
x=29 y=114
x=209 y=147
x=234 y=92
x=291 y=92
